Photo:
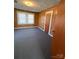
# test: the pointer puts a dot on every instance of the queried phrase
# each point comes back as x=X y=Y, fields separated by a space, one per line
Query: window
x=25 y=18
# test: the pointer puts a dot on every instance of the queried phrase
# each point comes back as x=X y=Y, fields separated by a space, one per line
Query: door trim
x=49 y=23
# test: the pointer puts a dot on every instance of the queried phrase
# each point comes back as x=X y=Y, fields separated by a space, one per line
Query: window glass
x=25 y=18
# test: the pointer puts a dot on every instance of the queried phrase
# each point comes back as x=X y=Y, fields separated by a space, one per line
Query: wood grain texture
x=58 y=42
x=58 y=28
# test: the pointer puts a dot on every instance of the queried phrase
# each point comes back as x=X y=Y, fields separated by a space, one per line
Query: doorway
x=48 y=20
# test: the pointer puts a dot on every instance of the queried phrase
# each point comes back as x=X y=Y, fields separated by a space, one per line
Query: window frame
x=26 y=13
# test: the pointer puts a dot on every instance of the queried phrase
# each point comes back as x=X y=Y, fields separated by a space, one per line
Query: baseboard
x=41 y=28
x=25 y=27
x=44 y=30
x=50 y=35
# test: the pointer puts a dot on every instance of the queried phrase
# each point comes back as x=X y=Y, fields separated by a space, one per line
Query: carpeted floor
x=31 y=43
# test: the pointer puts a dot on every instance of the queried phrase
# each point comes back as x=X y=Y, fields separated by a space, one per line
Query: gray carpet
x=31 y=43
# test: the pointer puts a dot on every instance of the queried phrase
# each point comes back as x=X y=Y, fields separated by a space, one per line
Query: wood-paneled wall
x=41 y=19
x=36 y=19
x=58 y=40
x=15 y=18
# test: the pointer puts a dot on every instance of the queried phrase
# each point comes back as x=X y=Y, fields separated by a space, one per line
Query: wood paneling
x=57 y=29
x=58 y=40
x=48 y=16
x=15 y=18
x=36 y=19
x=41 y=19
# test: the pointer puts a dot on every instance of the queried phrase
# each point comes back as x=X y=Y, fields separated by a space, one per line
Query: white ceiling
x=39 y=5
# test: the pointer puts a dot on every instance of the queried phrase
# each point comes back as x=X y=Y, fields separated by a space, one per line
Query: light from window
x=30 y=19
x=25 y=18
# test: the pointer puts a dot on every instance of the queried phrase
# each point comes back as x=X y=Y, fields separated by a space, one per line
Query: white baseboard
x=41 y=28
x=44 y=30
x=50 y=35
x=25 y=27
